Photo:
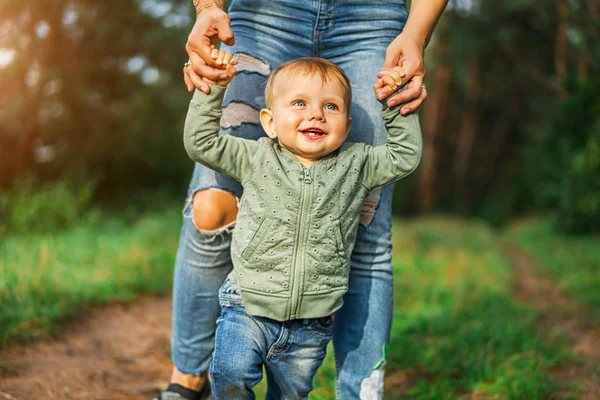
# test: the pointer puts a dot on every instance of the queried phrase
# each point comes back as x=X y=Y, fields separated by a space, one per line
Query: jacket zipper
x=301 y=234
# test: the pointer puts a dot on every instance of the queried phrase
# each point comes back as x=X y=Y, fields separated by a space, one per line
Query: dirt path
x=118 y=352
x=559 y=311
x=122 y=351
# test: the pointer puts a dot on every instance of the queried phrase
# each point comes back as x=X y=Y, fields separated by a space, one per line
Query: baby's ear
x=267 y=122
x=348 y=126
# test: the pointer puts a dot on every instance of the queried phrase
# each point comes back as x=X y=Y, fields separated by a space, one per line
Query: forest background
x=92 y=103
x=93 y=174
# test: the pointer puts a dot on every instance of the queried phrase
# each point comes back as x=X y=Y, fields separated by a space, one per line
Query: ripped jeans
x=355 y=35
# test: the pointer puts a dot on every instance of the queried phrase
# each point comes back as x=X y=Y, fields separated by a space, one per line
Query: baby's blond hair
x=309 y=66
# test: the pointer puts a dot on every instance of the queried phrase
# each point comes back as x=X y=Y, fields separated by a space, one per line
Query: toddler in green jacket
x=304 y=189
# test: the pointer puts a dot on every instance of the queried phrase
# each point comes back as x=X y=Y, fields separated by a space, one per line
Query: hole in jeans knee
x=213 y=210
x=370 y=206
x=250 y=64
x=237 y=113
x=241 y=108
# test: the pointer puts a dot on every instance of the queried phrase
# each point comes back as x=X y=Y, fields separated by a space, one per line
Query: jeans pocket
x=321 y=326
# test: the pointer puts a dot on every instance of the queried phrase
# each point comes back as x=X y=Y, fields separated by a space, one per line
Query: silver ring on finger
x=187 y=64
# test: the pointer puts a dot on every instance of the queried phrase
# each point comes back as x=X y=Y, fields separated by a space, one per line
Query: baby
x=304 y=189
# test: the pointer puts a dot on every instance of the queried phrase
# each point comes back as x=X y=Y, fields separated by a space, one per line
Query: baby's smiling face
x=308 y=115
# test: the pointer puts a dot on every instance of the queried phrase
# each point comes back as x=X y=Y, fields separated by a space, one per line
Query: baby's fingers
x=228 y=58
x=214 y=53
x=224 y=57
x=218 y=55
x=230 y=69
x=397 y=73
x=389 y=81
x=230 y=72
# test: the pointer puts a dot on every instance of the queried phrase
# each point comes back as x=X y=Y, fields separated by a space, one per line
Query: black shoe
x=178 y=392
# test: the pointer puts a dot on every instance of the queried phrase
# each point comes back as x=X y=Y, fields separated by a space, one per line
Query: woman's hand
x=407 y=54
x=212 y=24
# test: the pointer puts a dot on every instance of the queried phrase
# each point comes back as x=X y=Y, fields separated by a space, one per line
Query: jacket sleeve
x=223 y=153
x=400 y=156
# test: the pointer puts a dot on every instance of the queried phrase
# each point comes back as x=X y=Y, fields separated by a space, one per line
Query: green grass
x=48 y=278
x=456 y=328
x=572 y=261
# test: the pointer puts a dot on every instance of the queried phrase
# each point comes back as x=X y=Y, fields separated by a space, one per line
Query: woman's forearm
x=423 y=17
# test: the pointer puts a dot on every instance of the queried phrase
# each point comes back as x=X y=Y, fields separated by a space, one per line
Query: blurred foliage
x=96 y=88
x=563 y=163
x=500 y=75
x=37 y=207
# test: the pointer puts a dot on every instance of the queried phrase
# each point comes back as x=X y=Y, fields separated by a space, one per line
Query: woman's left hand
x=406 y=53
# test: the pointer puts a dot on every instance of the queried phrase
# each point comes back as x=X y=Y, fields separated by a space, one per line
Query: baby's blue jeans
x=291 y=352
x=355 y=35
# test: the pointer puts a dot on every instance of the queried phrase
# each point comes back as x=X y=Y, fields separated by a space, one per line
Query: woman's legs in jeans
x=203 y=259
x=267 y=39
x=203 y=262
x=363 y=323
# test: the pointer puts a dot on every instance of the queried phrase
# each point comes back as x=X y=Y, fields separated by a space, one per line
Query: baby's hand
x=226 y=62
x=392 y=78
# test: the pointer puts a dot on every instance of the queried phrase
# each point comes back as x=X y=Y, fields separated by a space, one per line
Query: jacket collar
x=285 y=153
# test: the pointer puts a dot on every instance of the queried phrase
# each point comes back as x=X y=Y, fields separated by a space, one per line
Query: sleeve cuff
x=390 y=112
x=213 y=99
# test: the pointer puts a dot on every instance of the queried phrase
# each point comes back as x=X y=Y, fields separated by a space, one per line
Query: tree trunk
x=30 y=113
x=436 y=116
x=499 y=142
x=561 y=47
x=469 y=126
x=585 y=60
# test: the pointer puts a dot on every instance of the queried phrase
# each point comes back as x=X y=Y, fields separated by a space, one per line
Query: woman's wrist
x=422 y=18
x=201 y=5
x=418 y=39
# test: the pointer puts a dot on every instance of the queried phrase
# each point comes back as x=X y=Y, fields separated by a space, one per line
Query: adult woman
x=361 y=36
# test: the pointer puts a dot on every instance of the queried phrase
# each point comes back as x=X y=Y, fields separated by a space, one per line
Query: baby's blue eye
x=331 y=106
x=299 y=103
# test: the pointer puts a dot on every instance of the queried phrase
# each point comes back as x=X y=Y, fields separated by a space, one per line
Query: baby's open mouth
x=313 y=133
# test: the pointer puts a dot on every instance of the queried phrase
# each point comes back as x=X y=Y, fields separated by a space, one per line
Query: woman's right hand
x=212 y=24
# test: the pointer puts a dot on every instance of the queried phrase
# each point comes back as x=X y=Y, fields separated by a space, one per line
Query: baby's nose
x=316 y=113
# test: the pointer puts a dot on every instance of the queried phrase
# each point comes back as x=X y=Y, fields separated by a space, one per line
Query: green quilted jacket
x=296 y=226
